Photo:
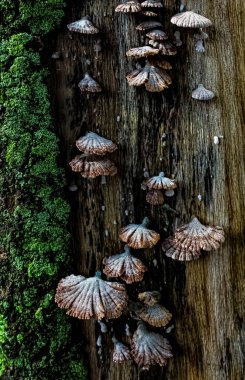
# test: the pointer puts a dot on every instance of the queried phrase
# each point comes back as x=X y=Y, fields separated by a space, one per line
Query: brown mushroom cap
x=83 y=26
x=92 y=166
x=158 y=35
x=139 y=236
x=129 y=7
x=92 y=143
x=141 y=52
x=155 y=61
x=155 y=197
x=165 y=47
x=155 y=315
x=150 y=24
x=121 y=352
x=150 y=298
x=161 y=182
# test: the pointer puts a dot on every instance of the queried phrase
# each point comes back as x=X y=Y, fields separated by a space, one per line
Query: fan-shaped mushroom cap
x=149 y=14
x=161 y=182
x=155 y=61
x=86 y=298
x=129 y=7
x=201 y=93
x=140 y=52
x=96 y=144
x=124 y=265
x=158 y=35
x=150 y=298
x=139 y=236
x=151 y=24
x=121 y=352
x=149 y=348
x=165 y=47
x=155 y=197
x=151 y=4
x=155 y=315
x=137 y=77
x=190 y=19
x=88 y=84
x=158 y=80
x=93 y=166
x=191 y=238
x=84 y=26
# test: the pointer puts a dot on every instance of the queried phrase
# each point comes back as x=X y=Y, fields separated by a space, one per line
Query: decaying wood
x=170 y=132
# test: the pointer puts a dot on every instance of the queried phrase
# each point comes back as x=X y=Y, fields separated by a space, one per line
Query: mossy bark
x=172 y=132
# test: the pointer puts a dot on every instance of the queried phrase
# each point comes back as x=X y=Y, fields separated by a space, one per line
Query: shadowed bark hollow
x=168 y=132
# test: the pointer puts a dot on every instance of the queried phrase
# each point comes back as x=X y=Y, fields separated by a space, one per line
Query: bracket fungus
x=151 y=4
x=164 y=47
x=150 y=24
x=190 y=19
x=160 y=182
x=141 y=52
x=201 y=93
x=88 y=84
x=149 y=348
x=155 y=197
x=121 y=353
x=149 y=14
x=154 y=78
x=150 y=298
x=83 y=26
x=91 y=166
x=138 y=235
x=92 y=143
x=190 y=239
x=91 y=297
x=124 y=265
x=129 y=7
x=158 y=35
x=155 y=315
x=155 y=61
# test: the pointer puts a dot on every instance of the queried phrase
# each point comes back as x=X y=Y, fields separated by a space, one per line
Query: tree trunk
x=168 y=132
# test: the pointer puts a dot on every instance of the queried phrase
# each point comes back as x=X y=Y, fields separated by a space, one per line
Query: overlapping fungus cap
x=86 y=298
x=124 y=265
x=150 y=298
x=84 y=26
x=149 y=348
x=191 y=19
x=91 y=166
x=150 y=24
x=191 y=238
x=141 y=52
x=165 y=47
x=160 y=62
x=155 y=197
x=121 y=352
x=151 y=4
x=155 y=79
x=129 y=7
x=160 y=182
x=149 y=14
x=201 y=93
x=155 y=315
x=138 y=235
x=158 y=35
x=88 y=84
x=92 y=143
x=137 y=77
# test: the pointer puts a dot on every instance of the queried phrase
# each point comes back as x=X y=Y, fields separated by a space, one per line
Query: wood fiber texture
x=168 y=132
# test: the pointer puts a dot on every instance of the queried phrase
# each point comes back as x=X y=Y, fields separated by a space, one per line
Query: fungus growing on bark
x=169 y=193
x=151 y=4
x=155 y=315
x=121 y=353
x=83 y=26
x=190 y=239
x=149 y=14
x=200 y=37
x=150 y=24
x=161 y=182
x=129 y=7
x=88 y=84
x=139 y=236
x=158 y=35
x=150 y=298
x=155 y=79
x=190 y=19
x=141 y=52
x=91 y=297
x=124 y=265
x=155 y=197
x=164 y=47
x=177 y=40
x=160 y=62
x=149 y=348
x=201 y=93
x=92 y=166
x=92 y=143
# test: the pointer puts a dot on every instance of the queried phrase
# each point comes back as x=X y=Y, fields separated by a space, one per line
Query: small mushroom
x=56 y=55
x=141 y=52
x=155 y=315
x=85 y=298
x=190 y=19
x=161 y=182
x=155 y=197
x=103 y=327
x=169 y=193
x=150 y=298
x=155 y=79
x=137 y=77
x=155 y=61
x=158 y=35
x=149 y=14
x=150 y=24
x=121 y=352
x=139 y=236
x=92 y=143
x=91 y=166
x=201 y=93
x=124 y=265
x=165 y=47
x=151 y=4
x=200 y=37
x=88 y=84
x=84 y=26
x=177 y=40
x=129 y=7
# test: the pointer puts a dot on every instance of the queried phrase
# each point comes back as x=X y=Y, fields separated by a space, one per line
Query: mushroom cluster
x=155 y=185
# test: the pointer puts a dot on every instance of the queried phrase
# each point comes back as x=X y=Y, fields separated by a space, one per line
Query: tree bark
x=168 y=132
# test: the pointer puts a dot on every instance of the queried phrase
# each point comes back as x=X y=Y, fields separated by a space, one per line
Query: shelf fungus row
x=92 y=163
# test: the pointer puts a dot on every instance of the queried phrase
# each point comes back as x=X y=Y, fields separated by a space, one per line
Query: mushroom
x=149 y=14
x=121 y=353
x=150 y=298
x=169 y=193
x=201 y=93
x=124 y=265
x=149 y=348
x=200 y=37
x=138 y=235
x=165 y=47
x=129 y=7
x=94 y=143
x=150 y=24
x=161 y=182
x=151 y=4
x=155 y=197
x=158 y=35
x=155 y=315
x=91 y=297
x=155 y=79
x=88 y=84
x=160 y=62
x=92 y=166
x=190 y=239
x=141 y=52
x=84 y=26
x=190 y=19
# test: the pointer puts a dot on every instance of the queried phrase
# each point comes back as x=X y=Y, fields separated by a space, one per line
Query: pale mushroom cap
x=165 y=47
x=84 y=26
x=138 y=236
x=158 y=35
x=190 y=19
x=149 y=14
x=155 y=197
x=92 y=143
x=121 y=353
x=161 y=182
x=151 y=4
x=91 y=298
x=151 y=24
x=140 y=52
x=88 y=84
x=201 y=93
x=92 y=166
x=129 y=7
x=155 y=315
